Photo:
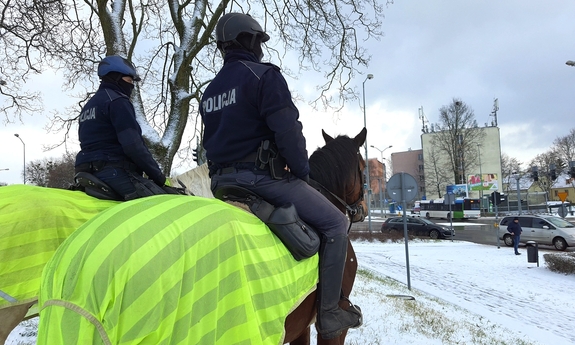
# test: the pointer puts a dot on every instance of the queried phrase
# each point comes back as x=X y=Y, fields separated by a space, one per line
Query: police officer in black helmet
x=112 y=147
x=248 y=113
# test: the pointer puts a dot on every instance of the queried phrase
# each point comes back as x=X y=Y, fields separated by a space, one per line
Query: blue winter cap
x=115 y=63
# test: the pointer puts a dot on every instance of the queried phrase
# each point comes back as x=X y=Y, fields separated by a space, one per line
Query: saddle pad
x=172 y=269
x=33 y=222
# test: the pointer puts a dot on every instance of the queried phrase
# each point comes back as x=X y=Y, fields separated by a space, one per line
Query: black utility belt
x=266 y=160
x=232 y=168
x=99 y=165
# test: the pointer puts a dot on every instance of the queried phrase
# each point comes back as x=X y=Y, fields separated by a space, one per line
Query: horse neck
x=326 y=173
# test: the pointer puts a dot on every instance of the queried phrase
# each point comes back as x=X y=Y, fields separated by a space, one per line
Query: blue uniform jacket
x=246 y=103
x=108 y=131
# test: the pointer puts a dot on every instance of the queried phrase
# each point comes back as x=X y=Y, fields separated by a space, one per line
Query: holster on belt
x=268 y=157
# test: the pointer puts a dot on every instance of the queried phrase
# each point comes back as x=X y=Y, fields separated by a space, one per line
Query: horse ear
x=360 y=138
x=326 y=136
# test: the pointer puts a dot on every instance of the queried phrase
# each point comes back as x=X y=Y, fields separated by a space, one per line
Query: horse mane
x=197 y=181
x=337 y=152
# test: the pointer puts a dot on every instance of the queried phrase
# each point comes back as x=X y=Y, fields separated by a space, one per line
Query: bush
x=560 y=263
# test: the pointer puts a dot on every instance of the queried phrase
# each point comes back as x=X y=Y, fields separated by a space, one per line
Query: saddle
x=299 y=238
x=97 y=188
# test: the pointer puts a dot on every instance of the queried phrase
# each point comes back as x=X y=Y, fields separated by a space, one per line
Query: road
x=481 y=231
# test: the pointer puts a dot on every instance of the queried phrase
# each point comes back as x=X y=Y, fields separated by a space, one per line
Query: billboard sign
x=486 y=182
x=458 y=190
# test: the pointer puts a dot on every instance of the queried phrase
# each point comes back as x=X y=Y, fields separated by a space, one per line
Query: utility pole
x=517 y=178
x=369 y=76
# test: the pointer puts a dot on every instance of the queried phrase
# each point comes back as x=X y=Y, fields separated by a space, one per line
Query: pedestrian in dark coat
x=514 y=228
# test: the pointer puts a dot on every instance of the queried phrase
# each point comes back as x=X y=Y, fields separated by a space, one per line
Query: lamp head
x=370 y=76
x=16 y=135
x=570 y=63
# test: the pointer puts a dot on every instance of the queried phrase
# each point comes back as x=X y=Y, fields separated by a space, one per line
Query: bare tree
x=37 y=172
x=509 y=166
x=457 y=136
x=565 y=147
x=172 y=45
x=543 y=162
x=61 y=173
x=436 y=175
x=52 y=172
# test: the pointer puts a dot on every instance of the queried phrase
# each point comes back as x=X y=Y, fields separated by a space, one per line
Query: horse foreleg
x=303 y=339
x=10 y=318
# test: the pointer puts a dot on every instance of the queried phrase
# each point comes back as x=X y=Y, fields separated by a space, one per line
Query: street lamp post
x=24 y=146
x=383 y=168
x=480 y=180
x=369 y=76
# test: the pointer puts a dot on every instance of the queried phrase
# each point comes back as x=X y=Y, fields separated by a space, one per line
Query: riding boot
x=332 y=320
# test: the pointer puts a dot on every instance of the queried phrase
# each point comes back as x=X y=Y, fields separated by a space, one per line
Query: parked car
x=543 y=229
x=417 y=227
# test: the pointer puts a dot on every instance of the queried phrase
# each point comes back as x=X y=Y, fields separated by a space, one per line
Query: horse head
x=343 y=186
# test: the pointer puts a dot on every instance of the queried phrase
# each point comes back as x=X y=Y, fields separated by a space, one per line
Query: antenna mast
x=424 y=121
x=494 y=112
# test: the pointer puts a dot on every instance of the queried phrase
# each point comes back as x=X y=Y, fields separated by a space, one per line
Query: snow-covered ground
x=532 y=302
x=472 y=289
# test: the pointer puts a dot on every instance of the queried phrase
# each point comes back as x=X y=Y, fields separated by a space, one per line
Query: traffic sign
x=562 y=196
x=402 y=186
x=562 y=211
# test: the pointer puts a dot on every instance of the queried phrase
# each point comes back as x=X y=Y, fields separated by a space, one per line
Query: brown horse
x=343 y=187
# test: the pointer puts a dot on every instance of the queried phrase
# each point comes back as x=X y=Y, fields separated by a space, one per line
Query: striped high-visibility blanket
x=172 y=269
x=34 y=221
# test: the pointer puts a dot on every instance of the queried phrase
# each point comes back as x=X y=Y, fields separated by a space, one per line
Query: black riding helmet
x=237 y=30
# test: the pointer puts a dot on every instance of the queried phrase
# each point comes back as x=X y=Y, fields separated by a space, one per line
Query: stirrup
x=356 y=310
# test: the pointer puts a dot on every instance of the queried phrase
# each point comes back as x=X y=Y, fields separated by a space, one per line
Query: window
x=525 y=222
x=539 y=223
x=421 y=167
x=420 y=156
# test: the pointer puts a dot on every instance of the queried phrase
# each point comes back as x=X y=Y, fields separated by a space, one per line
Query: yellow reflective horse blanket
x=172 y=269
x=33 y=222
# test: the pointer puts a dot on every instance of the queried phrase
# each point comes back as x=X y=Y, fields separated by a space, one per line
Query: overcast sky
x=432 y=51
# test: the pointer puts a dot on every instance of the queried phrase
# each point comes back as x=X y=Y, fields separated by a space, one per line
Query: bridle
x=354 y=208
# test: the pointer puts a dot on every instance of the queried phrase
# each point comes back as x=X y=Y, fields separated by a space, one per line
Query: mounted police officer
x=112 y=147
x=252 y=132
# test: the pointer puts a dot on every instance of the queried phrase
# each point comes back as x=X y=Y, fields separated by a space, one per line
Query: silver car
x=543 y=229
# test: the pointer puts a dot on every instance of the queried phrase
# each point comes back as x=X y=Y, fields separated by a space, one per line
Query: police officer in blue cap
x=252 y=132
x=111 y=142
